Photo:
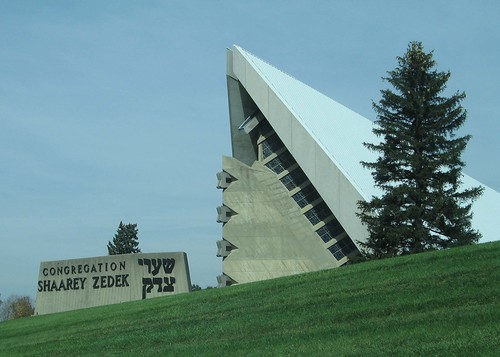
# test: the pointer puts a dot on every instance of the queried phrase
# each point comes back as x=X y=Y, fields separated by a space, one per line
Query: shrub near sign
x=79 y=283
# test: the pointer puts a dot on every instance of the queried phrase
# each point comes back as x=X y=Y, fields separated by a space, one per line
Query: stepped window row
x=274 y=155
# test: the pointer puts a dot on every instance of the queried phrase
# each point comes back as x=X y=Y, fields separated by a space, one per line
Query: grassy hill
x=439 y=303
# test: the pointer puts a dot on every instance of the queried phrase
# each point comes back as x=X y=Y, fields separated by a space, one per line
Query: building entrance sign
x=80 y=283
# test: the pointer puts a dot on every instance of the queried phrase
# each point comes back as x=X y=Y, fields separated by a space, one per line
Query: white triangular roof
x=337 y=130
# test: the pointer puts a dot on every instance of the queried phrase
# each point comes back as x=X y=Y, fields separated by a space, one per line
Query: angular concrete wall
x=268 y=232
x=80 y=283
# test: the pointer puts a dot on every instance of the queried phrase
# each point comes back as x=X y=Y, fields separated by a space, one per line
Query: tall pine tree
x=125 y=240
x=422 y=206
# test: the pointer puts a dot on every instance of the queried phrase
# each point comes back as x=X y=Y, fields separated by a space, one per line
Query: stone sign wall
x=79 y=283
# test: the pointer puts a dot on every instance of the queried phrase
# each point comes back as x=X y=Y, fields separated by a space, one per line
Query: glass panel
x=335 y=250
x=330 y=230
x=335 y=228
x=318 y=213
x=265 y=127
x=294 y=179
x=342 y=248
x=306 y=196
x=271 y=145
x=281 y=163
x=324 y=234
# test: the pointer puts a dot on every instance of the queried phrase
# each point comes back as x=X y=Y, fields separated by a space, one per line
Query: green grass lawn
x=440 y=303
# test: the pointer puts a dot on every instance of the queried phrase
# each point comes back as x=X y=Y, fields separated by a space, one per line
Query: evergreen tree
x=125 y=240
x=422 y=206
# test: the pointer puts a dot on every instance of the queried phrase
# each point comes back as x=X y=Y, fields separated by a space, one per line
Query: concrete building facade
x=290 y=189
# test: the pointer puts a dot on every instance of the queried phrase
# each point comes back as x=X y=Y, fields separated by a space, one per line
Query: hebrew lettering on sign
x=168 y=265
x=156 y=264
x=147 y=286
x=169 y=284
x=164 y=284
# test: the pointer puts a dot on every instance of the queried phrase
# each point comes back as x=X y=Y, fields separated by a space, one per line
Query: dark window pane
x=335 y=250
x=294 y=179
x=306 y=196
x=324 y=234
x=330 y=230
x=318 y=213
x=281 y=163
x=265 y=127
x=342 y=248
x=271 y=145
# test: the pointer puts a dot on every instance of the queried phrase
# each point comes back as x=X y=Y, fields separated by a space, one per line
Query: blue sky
x=117 y=110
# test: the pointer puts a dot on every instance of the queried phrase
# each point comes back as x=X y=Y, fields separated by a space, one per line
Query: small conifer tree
x=125 y=240
x=422 y=206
